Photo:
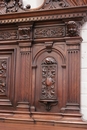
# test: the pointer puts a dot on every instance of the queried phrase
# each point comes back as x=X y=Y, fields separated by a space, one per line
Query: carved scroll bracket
x=48 y=46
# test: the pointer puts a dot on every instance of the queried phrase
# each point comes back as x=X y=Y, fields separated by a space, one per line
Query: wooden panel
x=7 y=69
x=40 y=66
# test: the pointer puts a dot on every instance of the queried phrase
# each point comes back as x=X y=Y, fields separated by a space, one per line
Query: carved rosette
x=48 y=78
x=3 y=67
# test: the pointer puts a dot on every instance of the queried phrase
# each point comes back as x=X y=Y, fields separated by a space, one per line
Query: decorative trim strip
x=40 y=18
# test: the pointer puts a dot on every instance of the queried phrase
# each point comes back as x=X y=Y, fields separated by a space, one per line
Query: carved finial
x=72 y=29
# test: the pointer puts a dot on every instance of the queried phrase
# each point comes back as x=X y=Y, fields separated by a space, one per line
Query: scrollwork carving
x=48 y=95
x=13 y=5
x=48 y=78
x=4 y=35
x=54 y=4
x=58 y=31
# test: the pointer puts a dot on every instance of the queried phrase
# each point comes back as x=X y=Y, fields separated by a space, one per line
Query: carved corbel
x=72 y=29
x=48 y=46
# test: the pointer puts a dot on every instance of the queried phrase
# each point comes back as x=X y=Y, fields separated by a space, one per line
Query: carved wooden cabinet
x=40 y=67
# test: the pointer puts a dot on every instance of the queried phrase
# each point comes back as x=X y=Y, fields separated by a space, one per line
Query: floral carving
x=58 y=31
x=3 y=67
x=48 y=95
x=48 y=78
x=13 y=5
x=4 y=35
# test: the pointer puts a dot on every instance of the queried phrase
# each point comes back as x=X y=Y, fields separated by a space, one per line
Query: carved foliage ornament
x=49 y=66
x=3 y=67
x=48 y=95
x=53 y=4
x=58 y=31
x=5 y=35
x=8 y=6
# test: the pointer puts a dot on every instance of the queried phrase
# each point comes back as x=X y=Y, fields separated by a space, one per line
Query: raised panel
x=7 y=73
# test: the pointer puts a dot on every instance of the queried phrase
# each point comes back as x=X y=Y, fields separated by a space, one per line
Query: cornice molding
x=75 y=12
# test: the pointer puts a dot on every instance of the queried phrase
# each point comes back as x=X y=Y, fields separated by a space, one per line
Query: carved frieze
x=5 y=35
x=24 y=33
x=57 y=31
x=3 y=68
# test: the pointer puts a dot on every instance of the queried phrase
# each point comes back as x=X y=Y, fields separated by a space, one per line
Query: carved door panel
x=7 y=73
x=49 y=82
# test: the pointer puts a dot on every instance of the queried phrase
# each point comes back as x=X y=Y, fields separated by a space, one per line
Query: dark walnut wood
x=40 y=68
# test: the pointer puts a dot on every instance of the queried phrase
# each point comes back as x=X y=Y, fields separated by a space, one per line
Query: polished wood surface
x=40 y=69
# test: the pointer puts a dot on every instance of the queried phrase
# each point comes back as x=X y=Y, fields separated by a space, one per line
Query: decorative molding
x=58 y=31
x=40 y=18
x=23 y=106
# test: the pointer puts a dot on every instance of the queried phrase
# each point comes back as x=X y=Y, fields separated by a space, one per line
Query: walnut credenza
x=40 y=69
